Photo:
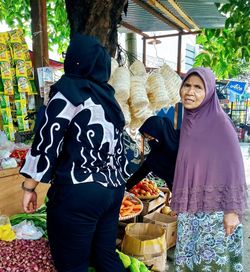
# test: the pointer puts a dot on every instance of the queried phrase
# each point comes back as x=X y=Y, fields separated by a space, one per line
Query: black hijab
x=87 y=69
x=162 y=157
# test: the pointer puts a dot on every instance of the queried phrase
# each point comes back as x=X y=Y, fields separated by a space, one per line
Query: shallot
x=26 y=256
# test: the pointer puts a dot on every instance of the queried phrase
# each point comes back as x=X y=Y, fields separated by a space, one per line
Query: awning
x=180 y=15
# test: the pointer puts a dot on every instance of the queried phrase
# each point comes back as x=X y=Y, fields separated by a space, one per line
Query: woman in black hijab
x=164 y=142
x=78 y=148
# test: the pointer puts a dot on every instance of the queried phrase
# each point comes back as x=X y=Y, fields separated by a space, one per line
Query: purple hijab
x=209 y=173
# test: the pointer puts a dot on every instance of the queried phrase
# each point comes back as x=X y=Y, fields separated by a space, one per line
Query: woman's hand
x=29 y=201
x=29 y=195
x=231 y=221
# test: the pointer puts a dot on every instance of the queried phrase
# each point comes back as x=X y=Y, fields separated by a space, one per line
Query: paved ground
x=245 y=148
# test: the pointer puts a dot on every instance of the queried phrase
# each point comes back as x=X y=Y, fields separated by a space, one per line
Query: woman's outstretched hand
x=231 y=221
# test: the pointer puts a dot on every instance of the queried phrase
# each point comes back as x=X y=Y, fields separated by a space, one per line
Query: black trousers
x=82 y=225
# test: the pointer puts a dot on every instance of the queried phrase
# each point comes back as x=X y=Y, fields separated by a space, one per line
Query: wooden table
x=11 y=192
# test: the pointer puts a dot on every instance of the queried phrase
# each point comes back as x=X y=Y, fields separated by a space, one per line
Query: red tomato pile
x=19 y=155
x=145 y=189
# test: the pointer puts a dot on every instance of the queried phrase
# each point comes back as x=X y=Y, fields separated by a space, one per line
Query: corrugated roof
x=203 y=13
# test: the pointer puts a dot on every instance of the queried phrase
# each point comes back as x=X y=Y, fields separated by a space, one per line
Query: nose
x=190 y=90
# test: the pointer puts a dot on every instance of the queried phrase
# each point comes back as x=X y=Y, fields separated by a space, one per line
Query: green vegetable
x=143 y=267
x=124 y=258
x=91 y=269
x=38 y=218
x=135 y=265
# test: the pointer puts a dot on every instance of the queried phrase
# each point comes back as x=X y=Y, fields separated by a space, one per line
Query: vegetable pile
x=38 y=218
x=145 y=189
x=25 y=256
x=130 y=206
x=132 y=263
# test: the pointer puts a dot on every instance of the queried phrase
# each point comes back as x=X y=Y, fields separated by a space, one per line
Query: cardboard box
x=169 y=223
x=11 y=194
x=153 y=204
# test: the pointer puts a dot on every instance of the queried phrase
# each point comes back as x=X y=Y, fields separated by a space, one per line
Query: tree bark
x=96 y=18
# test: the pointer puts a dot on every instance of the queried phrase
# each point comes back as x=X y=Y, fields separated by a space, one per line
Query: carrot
x=127 y=203
x=136 y=207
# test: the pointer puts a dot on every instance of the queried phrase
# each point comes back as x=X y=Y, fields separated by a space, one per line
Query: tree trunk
x=96 y=18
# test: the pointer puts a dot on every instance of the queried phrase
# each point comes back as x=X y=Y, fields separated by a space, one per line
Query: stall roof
x=180 y=15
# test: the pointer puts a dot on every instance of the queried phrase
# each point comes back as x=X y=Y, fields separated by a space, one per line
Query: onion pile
x=26 y=256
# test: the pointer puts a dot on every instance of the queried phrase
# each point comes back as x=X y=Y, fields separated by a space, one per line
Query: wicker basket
x=138 y=68
x=138 y=102
x=138 y=93
x=121 y=83
x=114 y=66
x=156 y=90
x=172 y=83
x=132 y=197
x=126 y=112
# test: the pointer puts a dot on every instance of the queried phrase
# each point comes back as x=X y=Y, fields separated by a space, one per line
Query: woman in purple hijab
x=209 y=191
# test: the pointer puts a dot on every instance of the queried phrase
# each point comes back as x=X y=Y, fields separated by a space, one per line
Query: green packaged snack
x=21 y=70
x=10 y=132
x=23 y=85
x=5 y=70
x=1 y=86
x=23 y=125
x=21 y=109
x=8 y=86
x=6 y=116
x=4 y=101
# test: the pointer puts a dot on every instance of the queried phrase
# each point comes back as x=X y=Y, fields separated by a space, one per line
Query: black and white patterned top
x=76 y=144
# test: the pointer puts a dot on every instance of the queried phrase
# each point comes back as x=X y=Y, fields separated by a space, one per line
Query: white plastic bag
x=28 y=231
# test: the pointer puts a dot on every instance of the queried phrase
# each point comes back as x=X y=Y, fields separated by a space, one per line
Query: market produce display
x=38 y=218
x=145 y=189
x=167 y=211
x=26 y=256
x=17 y=87
x=132 y=263
x=131 y=206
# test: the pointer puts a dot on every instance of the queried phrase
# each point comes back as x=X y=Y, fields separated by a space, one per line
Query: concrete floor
x=245 y=148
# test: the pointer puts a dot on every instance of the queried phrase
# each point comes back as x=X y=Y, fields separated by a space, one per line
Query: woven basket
x=172 y=82
x=138 y=116
x=156 y=90
x=138 y=93
x=114 y=66
x=139 y=104
x=126 y=112
x=121 y=83
x=138 y=68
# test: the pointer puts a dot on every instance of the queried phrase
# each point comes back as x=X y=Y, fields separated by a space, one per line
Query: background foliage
x=16 y=13
x=227 y=51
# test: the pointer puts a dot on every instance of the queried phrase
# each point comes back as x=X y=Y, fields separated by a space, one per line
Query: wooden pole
x=45 y=42
x=179 y=54
x=39 y=39
x=144 y=51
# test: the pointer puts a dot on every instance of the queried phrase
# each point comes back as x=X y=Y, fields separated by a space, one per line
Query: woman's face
x=192 y=92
